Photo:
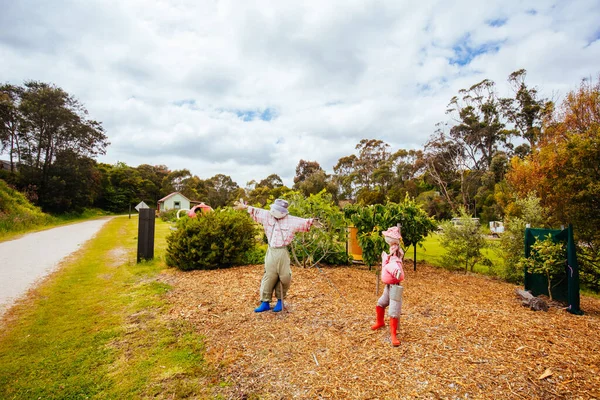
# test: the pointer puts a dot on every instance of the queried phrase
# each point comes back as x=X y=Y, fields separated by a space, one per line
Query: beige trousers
x=277 y=270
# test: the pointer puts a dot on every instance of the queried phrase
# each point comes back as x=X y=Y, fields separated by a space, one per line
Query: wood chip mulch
x=462 y=337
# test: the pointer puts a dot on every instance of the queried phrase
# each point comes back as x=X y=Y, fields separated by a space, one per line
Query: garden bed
x=462 y=336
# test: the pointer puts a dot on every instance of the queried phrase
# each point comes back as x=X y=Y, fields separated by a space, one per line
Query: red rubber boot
x=393 y=331
x=379 y=323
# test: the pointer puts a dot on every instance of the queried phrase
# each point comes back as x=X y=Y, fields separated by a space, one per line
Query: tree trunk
x=12 y=150
x=415 y=258
x=549 y=286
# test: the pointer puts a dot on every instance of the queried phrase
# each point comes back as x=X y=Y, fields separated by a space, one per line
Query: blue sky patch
x=595 y=37
x=424 y=87
x=184 y=102
x=498 y=22
x=531 y=11
x=250 y=115
x=465 y=52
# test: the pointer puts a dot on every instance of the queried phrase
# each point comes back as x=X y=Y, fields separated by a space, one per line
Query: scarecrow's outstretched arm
x=240 y=205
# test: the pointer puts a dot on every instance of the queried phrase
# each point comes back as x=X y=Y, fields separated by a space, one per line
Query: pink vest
x=390 y=266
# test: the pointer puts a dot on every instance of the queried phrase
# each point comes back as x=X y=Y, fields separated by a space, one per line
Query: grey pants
x=277 y=270
x=395 y=305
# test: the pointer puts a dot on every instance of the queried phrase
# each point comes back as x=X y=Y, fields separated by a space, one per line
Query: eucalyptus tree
x=395 y=177
x=152 y=178
x=346 y=177
x=526 y=111
x=222 y=191
x=478 y=124
x=53 y=121
x=11 y=123
x=356 y=173
x=272 y=181
x=40 y=121
x=312 y=179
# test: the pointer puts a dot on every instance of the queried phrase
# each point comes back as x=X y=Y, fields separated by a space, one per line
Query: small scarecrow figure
x=392 y=274
x=280 y=228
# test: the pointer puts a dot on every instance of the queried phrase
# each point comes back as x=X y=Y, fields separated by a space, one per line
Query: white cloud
x=172 y=81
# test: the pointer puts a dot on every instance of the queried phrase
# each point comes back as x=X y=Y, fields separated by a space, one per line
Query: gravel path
x=26 y=260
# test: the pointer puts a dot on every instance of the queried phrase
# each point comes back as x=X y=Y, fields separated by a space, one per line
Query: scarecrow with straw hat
x=392 y=274
x=280 y=228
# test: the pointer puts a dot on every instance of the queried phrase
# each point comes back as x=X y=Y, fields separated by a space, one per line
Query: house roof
x=172 y=194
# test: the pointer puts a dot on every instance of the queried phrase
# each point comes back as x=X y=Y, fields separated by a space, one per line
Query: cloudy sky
x=248 y=88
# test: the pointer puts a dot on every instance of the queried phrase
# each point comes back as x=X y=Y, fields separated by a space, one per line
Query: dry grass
x=463 y=336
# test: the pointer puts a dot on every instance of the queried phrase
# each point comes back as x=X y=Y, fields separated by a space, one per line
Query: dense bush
x=325 y=245
x=218 y=239
x=256 y=255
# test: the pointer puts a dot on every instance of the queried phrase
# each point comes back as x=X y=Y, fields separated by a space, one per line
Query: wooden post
x=415 y=258
x=145 y=250
x=347 y=239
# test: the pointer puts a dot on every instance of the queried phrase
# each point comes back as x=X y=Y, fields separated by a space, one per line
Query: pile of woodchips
x=462 y=336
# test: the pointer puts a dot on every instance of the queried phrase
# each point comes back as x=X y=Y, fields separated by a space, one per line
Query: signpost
x=145 y=250
x=141 y=206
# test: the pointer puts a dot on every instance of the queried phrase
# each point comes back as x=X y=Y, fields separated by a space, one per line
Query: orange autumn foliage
x=563 y=167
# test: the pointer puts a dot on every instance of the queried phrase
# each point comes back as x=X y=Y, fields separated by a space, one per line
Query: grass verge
x=98 y=329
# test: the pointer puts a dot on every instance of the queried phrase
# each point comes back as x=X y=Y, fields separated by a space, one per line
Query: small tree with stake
x=372 y=220
x=416 y=224
x=547 y=258
x=463 y=242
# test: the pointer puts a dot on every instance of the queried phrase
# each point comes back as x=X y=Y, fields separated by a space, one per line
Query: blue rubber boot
x=279 y=306
x=264 y=306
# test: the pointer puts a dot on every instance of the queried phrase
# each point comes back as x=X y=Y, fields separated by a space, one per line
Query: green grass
x=97 y=329
x=432 y=252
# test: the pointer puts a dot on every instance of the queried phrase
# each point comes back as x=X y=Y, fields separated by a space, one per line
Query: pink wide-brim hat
x=392 y=232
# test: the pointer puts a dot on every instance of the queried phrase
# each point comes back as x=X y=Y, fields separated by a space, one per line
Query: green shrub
x=512 y=241
x=168 y=216
x=218 y=239
x=256 y=255
x=326 y=245
x=547 y=258
x=463 y=243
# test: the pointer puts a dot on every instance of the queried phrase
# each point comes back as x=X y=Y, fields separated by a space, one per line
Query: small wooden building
x=174 y=201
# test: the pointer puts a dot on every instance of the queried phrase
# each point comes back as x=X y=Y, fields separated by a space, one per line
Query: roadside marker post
x=145 y=250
